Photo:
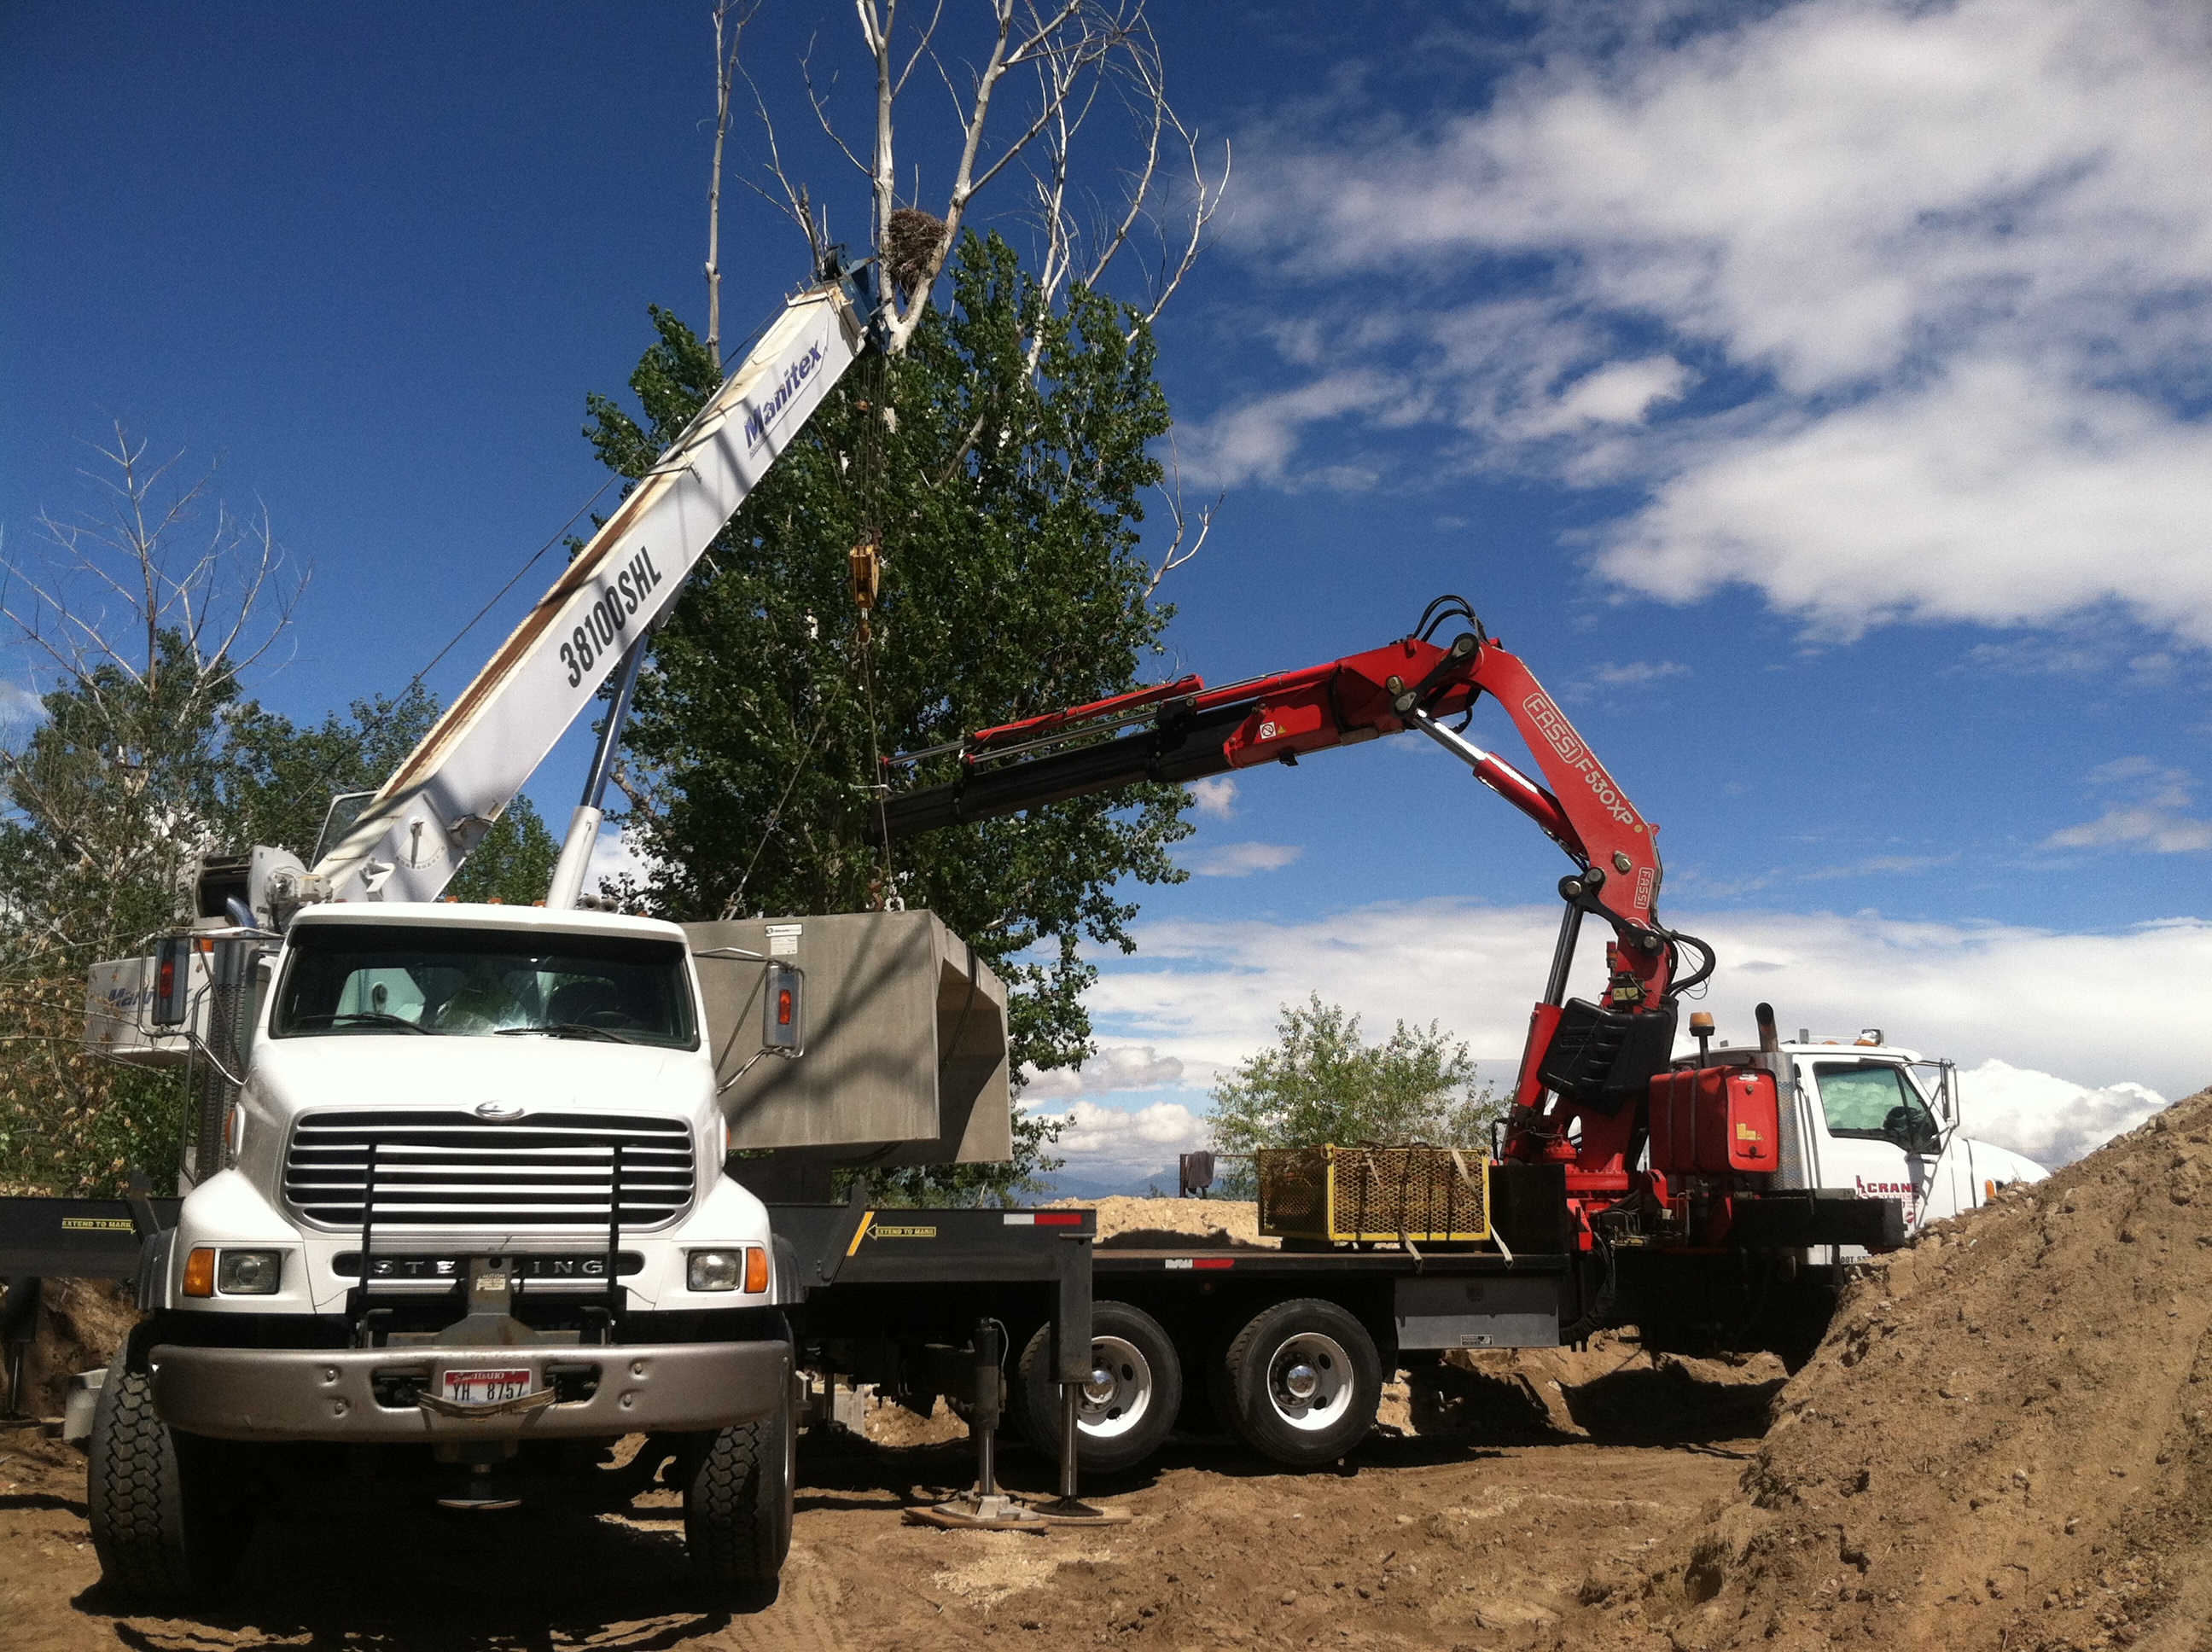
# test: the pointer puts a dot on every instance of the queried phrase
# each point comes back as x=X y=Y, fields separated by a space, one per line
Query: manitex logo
x=761 y=419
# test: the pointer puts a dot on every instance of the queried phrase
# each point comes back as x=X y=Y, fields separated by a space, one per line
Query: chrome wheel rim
x=1119 y=1391
x=1309 y=1381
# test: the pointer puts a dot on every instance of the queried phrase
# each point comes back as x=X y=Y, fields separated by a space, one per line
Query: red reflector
x=783 y=1008
x=1060 y=1219
x=1214 y=1261
x=168 y=977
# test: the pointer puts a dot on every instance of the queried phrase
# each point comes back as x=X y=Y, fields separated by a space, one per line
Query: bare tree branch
x=730 y=17
x=1178 y=552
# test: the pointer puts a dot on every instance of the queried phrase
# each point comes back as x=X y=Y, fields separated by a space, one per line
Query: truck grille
x=454 y=1170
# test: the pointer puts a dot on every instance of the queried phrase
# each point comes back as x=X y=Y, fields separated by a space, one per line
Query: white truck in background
x=1886 y=1121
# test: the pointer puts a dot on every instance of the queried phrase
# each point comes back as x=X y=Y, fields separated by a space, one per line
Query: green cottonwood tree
x=1000 y=463
x=1323 y=1084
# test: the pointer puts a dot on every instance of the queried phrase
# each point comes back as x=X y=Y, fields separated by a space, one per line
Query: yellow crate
x=1430 y=1195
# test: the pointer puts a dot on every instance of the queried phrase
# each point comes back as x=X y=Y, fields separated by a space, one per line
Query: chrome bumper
x=304 y=1394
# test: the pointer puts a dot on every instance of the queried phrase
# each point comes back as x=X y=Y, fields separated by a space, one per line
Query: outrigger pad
x=1600 y=1059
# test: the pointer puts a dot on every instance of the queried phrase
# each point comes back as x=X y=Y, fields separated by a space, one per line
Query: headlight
x=248 y=1272
x=716 y=1270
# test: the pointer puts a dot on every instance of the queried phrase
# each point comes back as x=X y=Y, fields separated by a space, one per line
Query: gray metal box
x=906 y=1041
x=1492 y=1311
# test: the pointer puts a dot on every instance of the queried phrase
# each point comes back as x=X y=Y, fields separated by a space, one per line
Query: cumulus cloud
x=1950 y=265
x=1239 y=860
x=1215 y=796
x=2094 y=1009
x=1141 y=1138
x=1112 y=1068
x=2052 y=1122
x=2151 y=812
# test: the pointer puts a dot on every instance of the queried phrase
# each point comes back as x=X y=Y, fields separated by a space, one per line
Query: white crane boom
x=413 y=834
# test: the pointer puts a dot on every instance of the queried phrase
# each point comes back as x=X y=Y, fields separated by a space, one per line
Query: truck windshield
x=403 y=980
x=1874 y=1102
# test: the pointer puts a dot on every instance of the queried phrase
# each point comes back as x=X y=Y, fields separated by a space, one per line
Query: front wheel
x=168 y=1520
x=738 y=1502
x=1303 y=1381
x=1127 y=1403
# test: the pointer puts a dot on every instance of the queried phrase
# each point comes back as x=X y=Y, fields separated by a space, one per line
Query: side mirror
x=172 y=996
x=782 y=1021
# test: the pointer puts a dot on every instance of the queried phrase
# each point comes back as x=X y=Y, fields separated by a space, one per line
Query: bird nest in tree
x=911 y=241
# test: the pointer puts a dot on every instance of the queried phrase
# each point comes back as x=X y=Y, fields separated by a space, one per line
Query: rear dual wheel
x=1301 y=1382
x=1128 y=1401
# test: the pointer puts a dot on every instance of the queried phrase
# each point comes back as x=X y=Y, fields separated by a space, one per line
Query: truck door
x=1882 y=1137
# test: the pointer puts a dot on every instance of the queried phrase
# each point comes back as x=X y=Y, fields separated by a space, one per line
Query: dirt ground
x=2003 y=1444
x=1417 y=1542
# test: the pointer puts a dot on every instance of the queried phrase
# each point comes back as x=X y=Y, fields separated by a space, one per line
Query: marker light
x=755 y=1270
x=199 y=1274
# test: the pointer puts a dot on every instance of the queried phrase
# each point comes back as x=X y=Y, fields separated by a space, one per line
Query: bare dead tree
x=730 y=17
x=146 y=614
x=1074 y=95
x=1045 y=69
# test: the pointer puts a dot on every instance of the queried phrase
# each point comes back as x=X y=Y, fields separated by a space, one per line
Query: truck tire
x=1127 y=1408
x=738 y=1502
x=168 y=1520
x=1302 y=1380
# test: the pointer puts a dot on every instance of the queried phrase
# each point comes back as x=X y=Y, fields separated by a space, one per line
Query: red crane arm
x=1182 y=732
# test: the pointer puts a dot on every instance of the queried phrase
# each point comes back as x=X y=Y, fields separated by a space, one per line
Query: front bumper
x=307 y=1393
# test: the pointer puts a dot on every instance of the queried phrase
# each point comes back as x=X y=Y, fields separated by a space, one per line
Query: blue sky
x=1815 y=395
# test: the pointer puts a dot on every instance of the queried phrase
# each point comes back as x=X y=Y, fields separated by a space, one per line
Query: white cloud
x=1997 y=492
x=2050 y=1121
x=613 y=855
x=1112 y=1069
x=1622 y=393
x=1240 y=859
x=1215 y=796
x=19 y=705
x=2096 y=1009
x=1141 y=1138
x=2151 y=814
x=1638 y=673
x=1957 y=257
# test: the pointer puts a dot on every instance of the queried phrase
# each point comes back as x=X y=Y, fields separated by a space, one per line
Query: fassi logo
x=1559 y=734
x=759 y=419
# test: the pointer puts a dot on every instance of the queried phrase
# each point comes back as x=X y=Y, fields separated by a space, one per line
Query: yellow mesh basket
x=1433 y=1195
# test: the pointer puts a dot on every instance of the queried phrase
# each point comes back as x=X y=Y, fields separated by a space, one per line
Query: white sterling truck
x=476 y=1202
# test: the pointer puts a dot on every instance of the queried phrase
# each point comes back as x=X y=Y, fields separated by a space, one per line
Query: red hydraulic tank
x=1715 y=1122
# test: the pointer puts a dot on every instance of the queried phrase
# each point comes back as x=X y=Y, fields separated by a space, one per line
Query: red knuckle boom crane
x=1585 y=1066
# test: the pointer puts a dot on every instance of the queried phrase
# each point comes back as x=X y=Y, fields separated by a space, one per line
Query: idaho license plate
x=481 y=1387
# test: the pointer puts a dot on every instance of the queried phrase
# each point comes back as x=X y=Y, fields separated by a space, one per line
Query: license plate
x=480 y=1388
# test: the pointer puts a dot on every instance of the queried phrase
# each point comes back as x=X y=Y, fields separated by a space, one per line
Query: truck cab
x=1884 y=1122
x=474 y=1207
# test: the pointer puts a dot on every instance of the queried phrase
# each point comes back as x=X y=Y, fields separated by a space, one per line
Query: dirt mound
x=82 y=1322
x=1129 y=1223
x=2003 y=1442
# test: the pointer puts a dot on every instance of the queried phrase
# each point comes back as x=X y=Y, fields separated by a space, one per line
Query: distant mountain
x=1064 y=1186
